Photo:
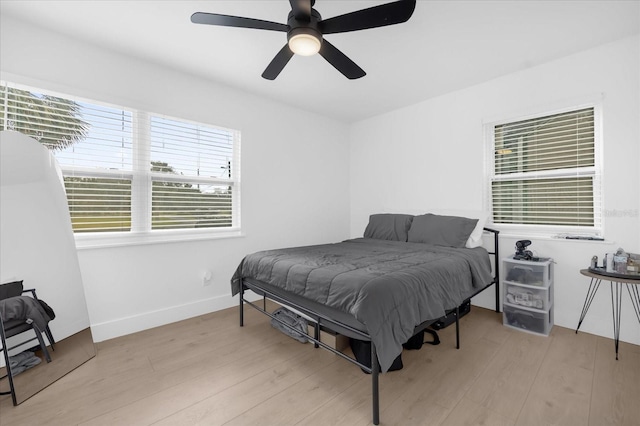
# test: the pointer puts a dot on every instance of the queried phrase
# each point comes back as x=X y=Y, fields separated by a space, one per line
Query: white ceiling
x=445 y=46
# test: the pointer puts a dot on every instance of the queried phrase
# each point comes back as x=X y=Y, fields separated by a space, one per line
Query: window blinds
x=129 y=170
x=545 y=171
x=190 y=161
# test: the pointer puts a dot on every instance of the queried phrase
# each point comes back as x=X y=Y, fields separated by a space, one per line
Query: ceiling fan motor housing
x=309 y=27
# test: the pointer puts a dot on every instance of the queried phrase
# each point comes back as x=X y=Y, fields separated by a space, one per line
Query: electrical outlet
x=206 y=278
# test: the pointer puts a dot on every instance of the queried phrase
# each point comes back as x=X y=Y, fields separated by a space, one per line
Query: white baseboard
x=132 y=324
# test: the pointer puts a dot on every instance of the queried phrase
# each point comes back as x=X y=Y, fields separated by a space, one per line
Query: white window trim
x=548 y=231
x=141 y=232
x=119 y=239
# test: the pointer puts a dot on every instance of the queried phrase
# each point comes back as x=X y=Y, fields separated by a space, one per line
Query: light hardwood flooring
x=207 y=370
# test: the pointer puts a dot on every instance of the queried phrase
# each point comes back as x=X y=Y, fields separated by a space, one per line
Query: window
x=192 y=179
x=545 y=172
x=132 y=171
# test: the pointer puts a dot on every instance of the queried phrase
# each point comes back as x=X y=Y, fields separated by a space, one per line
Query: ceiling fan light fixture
x=304 y=44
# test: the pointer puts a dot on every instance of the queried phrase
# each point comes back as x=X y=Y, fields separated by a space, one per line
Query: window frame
x=142 y=179
x=597 y=230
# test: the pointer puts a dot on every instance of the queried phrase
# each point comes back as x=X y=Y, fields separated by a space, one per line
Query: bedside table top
x=611 y=276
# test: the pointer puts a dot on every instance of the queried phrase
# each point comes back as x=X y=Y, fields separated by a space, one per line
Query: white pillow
x=475 y=239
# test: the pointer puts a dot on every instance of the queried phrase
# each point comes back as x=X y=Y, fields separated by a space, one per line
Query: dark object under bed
x=368 y=289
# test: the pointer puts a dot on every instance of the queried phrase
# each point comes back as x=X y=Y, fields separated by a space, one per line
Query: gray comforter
x=389 y=286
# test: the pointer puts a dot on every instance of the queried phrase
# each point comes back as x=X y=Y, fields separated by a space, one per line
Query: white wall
x=289 y=195
x=431 y=156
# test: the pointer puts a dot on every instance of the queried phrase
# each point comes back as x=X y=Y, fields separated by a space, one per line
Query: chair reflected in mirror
x=23 y=319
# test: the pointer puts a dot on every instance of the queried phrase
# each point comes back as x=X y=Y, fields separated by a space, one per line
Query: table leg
x=594 y=285
x=615 y=307
x=634 y=294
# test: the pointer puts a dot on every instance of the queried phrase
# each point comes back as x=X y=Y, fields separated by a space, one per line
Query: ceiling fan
x=305 y=29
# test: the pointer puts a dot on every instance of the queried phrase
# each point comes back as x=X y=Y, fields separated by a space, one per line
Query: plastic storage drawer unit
x=530 y=273
x=531 y=320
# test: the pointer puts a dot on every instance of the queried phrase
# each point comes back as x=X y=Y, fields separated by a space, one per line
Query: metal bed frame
x=321 y=320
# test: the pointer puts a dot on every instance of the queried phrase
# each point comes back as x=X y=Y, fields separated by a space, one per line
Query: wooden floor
x=209 y=371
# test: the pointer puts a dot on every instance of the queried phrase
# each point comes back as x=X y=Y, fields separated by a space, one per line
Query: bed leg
x=497 y=270
x=457 y=327
x=375 y=396
x=316 y=334
x=241 y=297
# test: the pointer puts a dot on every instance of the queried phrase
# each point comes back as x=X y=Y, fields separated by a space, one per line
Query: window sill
x=549 y=237
x=120 y=239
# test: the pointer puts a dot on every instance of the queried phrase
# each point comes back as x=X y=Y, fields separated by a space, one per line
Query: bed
x=406 y=273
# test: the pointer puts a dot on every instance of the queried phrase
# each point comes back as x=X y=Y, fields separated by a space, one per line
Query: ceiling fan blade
x=301 y=9
x=373 y=17
x=236 y=21
x=340 y=61
x=277 y=63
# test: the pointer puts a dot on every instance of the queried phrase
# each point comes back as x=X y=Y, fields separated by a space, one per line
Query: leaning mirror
x=37 y=247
